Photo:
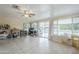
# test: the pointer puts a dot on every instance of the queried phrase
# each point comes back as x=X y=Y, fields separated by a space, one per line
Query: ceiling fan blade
x=16 y=7
x=32 y=14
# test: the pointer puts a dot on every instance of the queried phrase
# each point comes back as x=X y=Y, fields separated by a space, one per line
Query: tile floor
x=30 y=45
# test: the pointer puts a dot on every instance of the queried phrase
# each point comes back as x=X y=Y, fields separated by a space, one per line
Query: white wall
x=13 y=22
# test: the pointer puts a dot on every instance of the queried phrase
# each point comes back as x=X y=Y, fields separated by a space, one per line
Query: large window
x=43 y=29
x=64 y=26
x=67 y=26
x=76 y=26
x=35 y=26
x=26 y=26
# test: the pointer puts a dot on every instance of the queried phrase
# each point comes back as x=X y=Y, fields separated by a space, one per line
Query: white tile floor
x=30 y=45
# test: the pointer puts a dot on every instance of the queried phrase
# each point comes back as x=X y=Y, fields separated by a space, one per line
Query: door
x=43 y=29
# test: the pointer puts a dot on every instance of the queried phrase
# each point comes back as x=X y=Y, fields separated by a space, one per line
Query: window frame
x=72 y=28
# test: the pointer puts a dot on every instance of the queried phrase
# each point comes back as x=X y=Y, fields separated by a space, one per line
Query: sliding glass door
x=35 y=26
x=43 y=29
x=26 y=26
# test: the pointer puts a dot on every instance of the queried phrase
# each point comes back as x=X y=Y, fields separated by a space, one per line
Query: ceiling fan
x=25 y=12
x=28 y=13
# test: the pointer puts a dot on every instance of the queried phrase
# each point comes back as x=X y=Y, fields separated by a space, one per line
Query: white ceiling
x=42 y=10
x=65 y=9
